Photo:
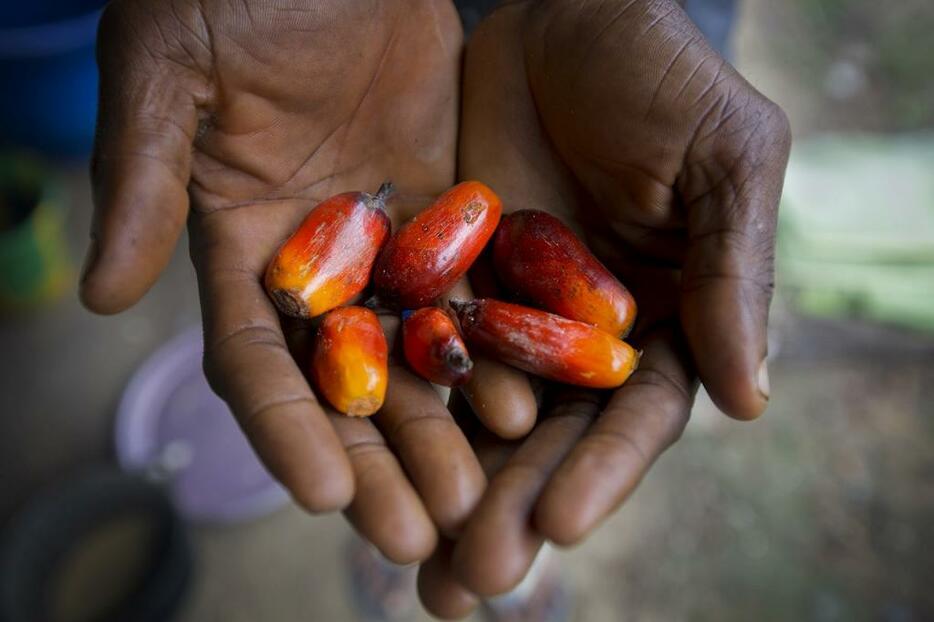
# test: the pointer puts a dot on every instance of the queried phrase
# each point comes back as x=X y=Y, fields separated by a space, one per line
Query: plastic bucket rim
x=133 y=447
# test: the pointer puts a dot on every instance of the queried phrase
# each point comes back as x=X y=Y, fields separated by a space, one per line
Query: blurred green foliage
x=890 y=43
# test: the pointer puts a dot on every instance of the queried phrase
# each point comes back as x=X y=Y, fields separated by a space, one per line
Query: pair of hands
x=613 y=114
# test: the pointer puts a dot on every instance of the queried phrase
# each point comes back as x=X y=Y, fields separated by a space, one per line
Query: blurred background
x=823 y=510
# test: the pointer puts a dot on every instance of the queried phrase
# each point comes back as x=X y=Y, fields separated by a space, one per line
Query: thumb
x=731 y=187
x=140 y=168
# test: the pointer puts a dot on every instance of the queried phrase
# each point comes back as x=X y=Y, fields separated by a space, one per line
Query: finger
x=147 y=121
x=502 y=142
x=642 y=419
x=524 y=173
x=492 y=451
x=732 y=195
x=500 y=395
x=433 y=450
x=385 y=509
x=440 y=592
x=499 y=545
x=250 y=367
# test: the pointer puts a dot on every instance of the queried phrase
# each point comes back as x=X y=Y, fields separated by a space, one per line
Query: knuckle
x=771 y=133
x=620 y=444
x=743 y=128
x=364 y=449
x=759 y=284
x=517 y=475
x=663 y=382
x=418 y=424
x=248 y=335
x=572 y=403
x=780 y=130
x=777 y=121
x=573 y=414
x=279 y=405
x=219 y=353
x=738 y=240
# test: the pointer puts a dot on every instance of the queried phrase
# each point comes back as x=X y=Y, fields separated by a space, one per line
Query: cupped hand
x=619 y=118
x=237 y=118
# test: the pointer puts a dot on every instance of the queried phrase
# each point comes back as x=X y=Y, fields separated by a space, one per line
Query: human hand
x=239 y=118
x=619 y=118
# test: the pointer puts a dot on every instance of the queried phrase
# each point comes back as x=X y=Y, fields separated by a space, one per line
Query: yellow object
x=34 y=263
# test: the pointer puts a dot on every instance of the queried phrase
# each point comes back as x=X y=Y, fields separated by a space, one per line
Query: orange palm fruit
x=424 y=258
x=538 y=258
x=434 y=348
x=350 y=361
x=329 y=258
x=546 y=344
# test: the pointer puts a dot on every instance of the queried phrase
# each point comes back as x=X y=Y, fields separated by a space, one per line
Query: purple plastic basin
x=172 y=425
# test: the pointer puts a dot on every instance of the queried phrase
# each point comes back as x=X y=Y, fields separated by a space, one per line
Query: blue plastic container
x=48 y=75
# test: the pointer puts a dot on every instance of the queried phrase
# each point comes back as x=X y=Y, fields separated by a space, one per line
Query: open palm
x=238 y=118
x=620 y=119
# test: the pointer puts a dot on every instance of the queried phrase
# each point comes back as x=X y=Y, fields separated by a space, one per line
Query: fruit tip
x=458 y=305
x=464 y=312
x=385 y=190
x=363 y=406
x=458 y=361
x=289 y=303
x=375 y=304
x=378 y=201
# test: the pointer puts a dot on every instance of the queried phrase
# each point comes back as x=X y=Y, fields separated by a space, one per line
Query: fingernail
x=763 y=379
x=90 y=259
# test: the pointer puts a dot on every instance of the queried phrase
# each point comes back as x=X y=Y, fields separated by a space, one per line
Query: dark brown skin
x=618 y=118
x=237 y=118
x=261 y=109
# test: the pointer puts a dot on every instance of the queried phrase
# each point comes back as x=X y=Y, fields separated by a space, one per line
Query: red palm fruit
x=329 y=258
x=539 y=258
x=434 y=348
x=429 y=253
x=546 y=344
x=349 y=363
